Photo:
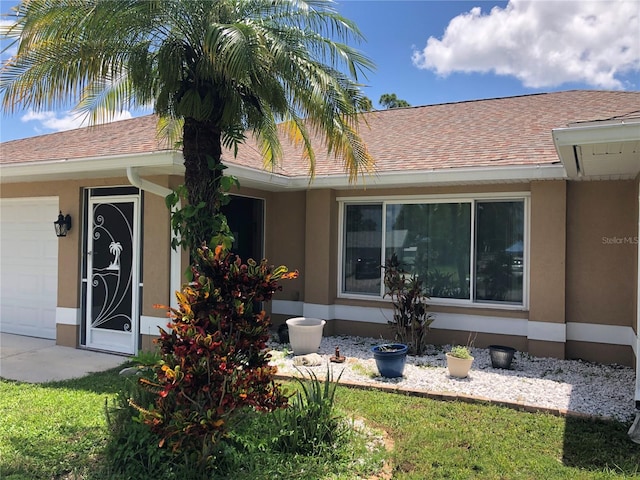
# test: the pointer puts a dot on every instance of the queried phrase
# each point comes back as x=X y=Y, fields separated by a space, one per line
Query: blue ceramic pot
x=390 y=359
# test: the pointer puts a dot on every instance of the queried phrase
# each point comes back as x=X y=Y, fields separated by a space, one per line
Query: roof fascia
x=452 y=176
x=171 y=162
x=590 y=134
x=166 y=161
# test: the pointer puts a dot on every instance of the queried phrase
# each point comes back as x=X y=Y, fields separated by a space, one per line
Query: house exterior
x=522 y=213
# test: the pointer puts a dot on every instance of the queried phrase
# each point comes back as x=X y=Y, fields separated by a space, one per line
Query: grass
x=57 y=431
x=53 y=429
x=455 y=440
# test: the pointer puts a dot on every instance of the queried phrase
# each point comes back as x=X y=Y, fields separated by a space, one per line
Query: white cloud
x=542 y=43
x=60 y=121
x=5 y=24
x=6 y=48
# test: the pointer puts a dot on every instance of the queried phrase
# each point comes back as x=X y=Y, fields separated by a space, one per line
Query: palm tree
x=219 y=68
x=391 y=100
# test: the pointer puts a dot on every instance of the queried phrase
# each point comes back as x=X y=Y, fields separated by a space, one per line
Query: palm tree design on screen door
x=115 y=249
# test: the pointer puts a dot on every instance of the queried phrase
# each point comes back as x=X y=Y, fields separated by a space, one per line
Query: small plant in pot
x=411 y=320
x=459 y=360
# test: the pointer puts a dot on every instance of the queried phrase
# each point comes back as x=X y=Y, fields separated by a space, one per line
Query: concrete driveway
x=37 y=360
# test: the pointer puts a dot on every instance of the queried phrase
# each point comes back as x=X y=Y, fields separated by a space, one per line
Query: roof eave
x=171 y=163
x=163 y=162
x=441 y=177
x=600 y=150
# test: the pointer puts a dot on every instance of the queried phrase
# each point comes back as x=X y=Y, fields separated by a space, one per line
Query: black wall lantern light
x=62 y=225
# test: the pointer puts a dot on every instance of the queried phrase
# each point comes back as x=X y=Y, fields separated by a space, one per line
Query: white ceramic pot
x=458 y=367
x=305 y=334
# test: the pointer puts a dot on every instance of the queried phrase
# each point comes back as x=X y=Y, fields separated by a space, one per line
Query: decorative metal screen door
x=112 y=263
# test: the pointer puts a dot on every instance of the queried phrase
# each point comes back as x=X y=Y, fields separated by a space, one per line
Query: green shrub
x=310 y=422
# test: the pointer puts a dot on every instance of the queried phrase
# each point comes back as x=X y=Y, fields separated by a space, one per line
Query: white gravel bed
x=583 y=387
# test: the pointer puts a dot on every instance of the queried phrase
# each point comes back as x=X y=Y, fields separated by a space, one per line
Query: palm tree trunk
x=202 y=145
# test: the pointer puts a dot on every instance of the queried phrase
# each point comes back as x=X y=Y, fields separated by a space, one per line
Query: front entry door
x=245 y=216
x=112 y=266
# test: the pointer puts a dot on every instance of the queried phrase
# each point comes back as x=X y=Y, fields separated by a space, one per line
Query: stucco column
x=320 y=253
x=547 y=319
x=68 y=315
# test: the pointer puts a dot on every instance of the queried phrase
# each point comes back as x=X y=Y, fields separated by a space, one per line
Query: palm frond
x=236 y=64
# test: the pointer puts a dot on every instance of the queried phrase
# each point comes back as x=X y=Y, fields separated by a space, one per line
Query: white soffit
x=600 y=151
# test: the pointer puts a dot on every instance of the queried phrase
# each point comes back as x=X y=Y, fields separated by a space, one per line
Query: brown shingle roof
x=508 y=131
x=124 y=137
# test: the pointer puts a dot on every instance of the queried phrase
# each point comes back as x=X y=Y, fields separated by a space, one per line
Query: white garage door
x=28 y=266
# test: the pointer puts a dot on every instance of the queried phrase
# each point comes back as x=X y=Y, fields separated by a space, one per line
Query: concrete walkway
x=37 y=360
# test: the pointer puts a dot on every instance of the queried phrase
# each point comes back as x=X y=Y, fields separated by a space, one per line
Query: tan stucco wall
x=547 y=252
x=285 y=239
x=601 y=265
x=542 y=348
x=320 y=266
x=547 y=259
x=156 y=252
x=68 y=335
x=601 y=352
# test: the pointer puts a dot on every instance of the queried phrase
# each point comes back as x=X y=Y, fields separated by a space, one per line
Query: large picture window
x=470 y=250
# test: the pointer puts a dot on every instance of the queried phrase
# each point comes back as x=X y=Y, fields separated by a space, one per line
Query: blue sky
x=430 y=52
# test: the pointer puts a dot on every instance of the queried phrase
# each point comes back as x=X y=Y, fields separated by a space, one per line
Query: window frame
x=472 y=199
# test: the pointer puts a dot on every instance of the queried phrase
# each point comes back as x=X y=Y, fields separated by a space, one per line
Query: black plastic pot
x=283 y=333
x=501 y=357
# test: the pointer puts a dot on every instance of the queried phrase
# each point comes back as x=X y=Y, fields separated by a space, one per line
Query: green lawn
x=47 y=431
x=57 y=431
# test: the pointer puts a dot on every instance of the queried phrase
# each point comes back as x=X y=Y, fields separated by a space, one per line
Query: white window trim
x=471 y=198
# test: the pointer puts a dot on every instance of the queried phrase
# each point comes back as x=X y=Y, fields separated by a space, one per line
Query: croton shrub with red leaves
x=214 y=360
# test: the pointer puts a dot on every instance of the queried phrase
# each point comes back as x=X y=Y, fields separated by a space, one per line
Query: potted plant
x=459 y=360
x=411 y=320
x=390 y=359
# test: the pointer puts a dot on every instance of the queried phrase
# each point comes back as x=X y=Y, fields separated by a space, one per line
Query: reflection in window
x=471 y=250
x=499 y=251
x=363 y=249
x=433 y=241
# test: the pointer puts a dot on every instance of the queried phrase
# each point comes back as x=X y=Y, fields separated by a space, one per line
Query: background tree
x=366 y=105
x=218 y=68
x=390 y=100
